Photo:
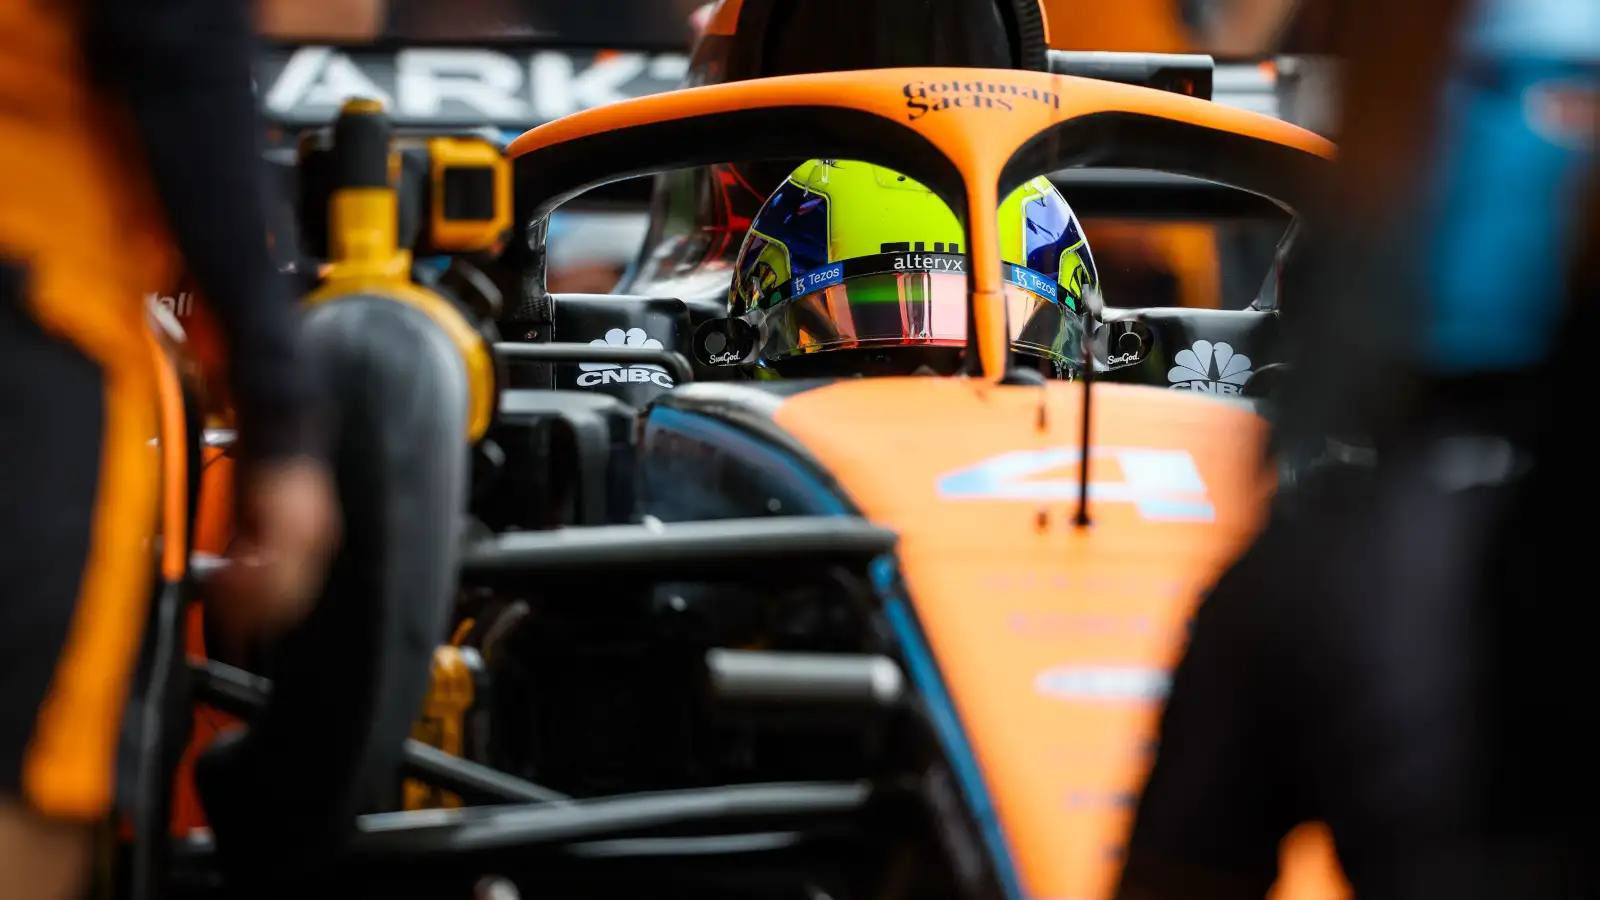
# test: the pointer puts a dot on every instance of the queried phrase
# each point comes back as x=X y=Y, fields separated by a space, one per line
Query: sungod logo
x=596 y=374
x=923 y=98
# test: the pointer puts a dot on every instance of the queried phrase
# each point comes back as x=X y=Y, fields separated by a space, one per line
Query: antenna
x=1081 y=520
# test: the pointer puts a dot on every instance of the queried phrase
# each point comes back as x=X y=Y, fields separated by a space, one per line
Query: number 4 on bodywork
x=1164 y=485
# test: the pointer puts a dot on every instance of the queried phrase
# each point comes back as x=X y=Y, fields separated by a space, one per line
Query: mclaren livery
x=620 y=611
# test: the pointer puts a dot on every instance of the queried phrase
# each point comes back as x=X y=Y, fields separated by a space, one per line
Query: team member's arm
x=183 y=67
x=1215 y=810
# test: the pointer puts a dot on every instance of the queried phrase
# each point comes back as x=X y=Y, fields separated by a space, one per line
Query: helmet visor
x=920 y=300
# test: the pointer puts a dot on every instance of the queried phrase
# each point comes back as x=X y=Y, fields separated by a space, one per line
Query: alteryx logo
x=596 y=374
x=1104 y=684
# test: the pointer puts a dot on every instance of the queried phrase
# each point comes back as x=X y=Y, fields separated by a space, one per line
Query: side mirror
x=1120 y=344
x=723 y=343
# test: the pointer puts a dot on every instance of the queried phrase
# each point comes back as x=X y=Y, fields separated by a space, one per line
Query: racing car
x=692 y=632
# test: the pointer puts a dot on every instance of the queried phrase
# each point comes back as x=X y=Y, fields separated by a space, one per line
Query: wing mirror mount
x=724 y=343
x=1122 y=343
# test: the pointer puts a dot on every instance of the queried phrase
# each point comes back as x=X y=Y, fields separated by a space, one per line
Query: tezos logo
x=923 y=97
x=596 y=374
x=1211 y=368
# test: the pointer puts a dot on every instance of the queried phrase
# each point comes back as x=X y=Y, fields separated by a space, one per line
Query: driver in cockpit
x=853 y=269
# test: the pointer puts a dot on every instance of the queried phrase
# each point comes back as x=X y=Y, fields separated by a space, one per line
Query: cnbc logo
x=924 y=97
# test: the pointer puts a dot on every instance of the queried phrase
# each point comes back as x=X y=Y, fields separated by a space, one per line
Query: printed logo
x=446 y=84
x=1163 y=485
x=923 y=97
x=181 y=304
x=1122 y=584
x=724 y=342
x=1210 y=368
x=1126 y=684
x=1032 y=282
x=1062 y=624
x=930 y=262
x=595 y=374
x=717 y=353
x=1098 y=798
x=816 y=280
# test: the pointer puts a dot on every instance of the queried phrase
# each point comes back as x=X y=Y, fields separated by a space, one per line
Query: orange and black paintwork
x=97 y=436
x=699 y=215
x=978 y=589
x=982 y=582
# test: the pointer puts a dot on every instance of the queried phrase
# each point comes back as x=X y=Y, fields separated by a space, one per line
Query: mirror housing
x=725 y=343
x=1122 y=343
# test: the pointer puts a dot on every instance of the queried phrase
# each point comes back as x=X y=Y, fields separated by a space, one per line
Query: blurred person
x=1135 y=26
x=321 y=20
x=593 y=23
x=1398 y=653
x=1239 y=29
x=128 y=136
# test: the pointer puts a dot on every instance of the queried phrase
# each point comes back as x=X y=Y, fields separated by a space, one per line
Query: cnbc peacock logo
x=1210 y=368
x=596 y=374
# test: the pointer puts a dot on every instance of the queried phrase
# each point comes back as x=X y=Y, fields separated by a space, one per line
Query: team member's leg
x=79 y=482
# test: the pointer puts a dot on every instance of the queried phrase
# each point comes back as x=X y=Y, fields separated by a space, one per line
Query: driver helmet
x=851 y=268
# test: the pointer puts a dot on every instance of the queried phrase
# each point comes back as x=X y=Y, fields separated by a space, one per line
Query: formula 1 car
x=833 y=637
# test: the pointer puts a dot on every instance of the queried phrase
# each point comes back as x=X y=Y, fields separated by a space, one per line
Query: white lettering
x=321 y=77
x=1207 y=387
x=634 y=375
x=915 y=262
x=669 y=67
x=558 y=89
x=724 y=359
x=181 y=305
x=482 y=79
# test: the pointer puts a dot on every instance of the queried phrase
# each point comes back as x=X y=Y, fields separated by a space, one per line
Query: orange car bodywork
x=996 y=583
x=979 y=139
x=1188 y=250
x=1003 y=586
x=1017 y=603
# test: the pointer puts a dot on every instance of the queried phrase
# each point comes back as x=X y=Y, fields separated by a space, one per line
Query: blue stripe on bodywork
x=755 y=452
x=924 y=672
x=923 y=667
